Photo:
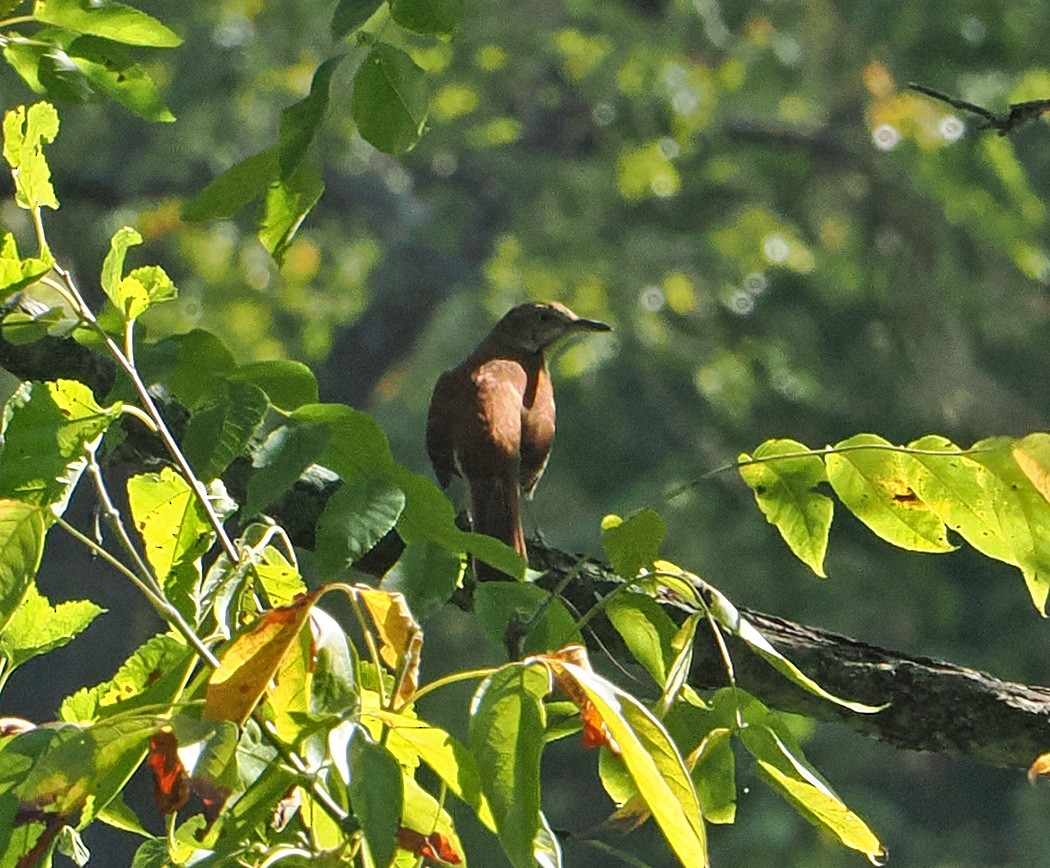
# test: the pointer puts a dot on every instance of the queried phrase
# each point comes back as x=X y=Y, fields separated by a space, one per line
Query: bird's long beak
x=590 y=325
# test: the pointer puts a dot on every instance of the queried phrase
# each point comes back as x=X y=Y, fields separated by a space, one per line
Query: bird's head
x=534 y=327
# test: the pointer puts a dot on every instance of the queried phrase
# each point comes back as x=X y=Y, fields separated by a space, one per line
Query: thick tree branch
x=934 y=705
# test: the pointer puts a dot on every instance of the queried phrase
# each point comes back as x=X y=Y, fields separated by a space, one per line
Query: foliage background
x=787 y=244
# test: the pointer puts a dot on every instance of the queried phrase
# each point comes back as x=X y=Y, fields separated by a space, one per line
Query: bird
x=491 y=418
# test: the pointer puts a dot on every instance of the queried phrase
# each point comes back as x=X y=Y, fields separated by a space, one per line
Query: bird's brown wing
x=441 y=420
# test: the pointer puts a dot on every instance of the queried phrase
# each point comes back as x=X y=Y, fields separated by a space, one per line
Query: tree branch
x=934 y=706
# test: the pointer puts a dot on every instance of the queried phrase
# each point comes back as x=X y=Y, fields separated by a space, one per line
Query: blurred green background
x=787 y=242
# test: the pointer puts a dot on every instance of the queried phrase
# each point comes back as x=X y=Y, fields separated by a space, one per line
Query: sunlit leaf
x=634 y=543
x=447 y=757
x=401 y=637
x=506 y=738
x=46 y=426
x=646 y=629
x=786 y=491
x=1022 y=512
x=729 y=617
x=873 y=485
x=288 y=201
x=653 y=762
x=152 y=676
x=780 y=763
x=174 y=528
x=107 y=19
x=250 y=661
x=22 y=529
x=15 y=272
x=113 y=264
x=389 y=102
x=38 y=627
x=113 y=72
x=963 y=492
x=26 y=131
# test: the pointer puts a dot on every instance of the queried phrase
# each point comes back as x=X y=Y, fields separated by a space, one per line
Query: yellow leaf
x=252 y=659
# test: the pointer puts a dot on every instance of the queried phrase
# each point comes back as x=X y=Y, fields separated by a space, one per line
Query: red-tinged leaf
x=171 y=786
x=433 y=846
x=595 y=731
x=252 y=659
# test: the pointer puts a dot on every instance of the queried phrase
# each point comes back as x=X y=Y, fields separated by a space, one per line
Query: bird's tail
x=494 y=510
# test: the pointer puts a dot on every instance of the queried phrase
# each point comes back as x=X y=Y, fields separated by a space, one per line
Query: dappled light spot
x=886 y=137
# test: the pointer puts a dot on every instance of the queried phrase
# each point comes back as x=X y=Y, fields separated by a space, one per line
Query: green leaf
x=22 y=529
x=729 y=617
x=634 y=544
x=390 y=99
x=653 y=761
x=113 y=72
x=107 y=19
x=240 y=184
x=26 y=328
x=781 y=763
x=38 y=627
x=355 y=518
x=429 y=515
x=45 y=428
x=358 y=445
x=113 y=264
x=376 y=794
x=300 y=121
x=174 y=528
x=279 y=461
x=496 y=604
x=152 y=676
x=427 y=574
x=222 y=425
x=646 y=629
x=188 y=364
x=288 y=201
x=83 y=768
x=429 y=17
x=786 y=492
x=873 y=485
x=288 y=384
x=15 y=272
x=25 y=134
x=351 y=14
x=507 y=722
x=1021 y=511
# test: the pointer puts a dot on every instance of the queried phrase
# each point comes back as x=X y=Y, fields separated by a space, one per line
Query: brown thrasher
x=491 y=417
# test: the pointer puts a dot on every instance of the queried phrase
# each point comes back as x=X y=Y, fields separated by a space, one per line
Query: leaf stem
x=154 y=413
x=159 y=601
